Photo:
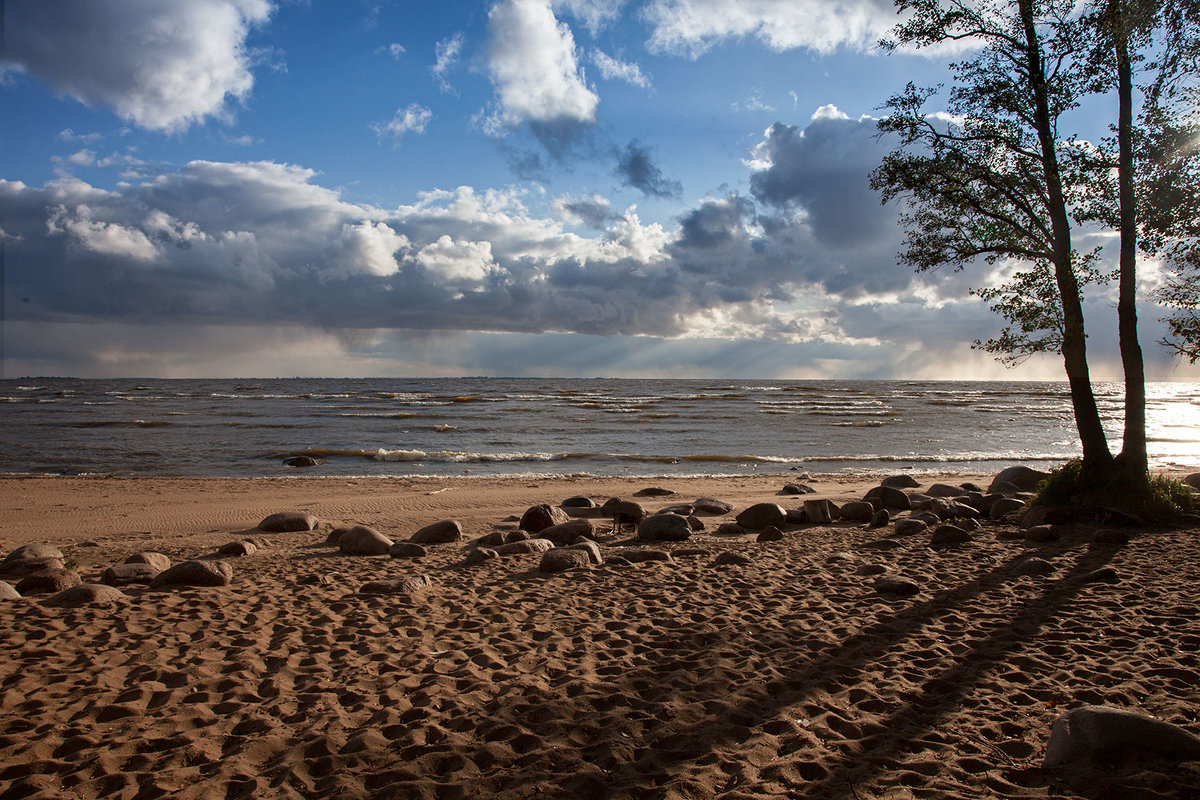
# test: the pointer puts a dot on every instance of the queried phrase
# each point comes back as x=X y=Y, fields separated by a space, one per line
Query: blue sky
x=516 y=187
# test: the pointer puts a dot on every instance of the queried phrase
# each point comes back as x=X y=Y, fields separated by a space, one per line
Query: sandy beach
x=787 y=676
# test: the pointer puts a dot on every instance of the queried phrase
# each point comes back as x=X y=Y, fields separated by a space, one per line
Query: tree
x=994 y=180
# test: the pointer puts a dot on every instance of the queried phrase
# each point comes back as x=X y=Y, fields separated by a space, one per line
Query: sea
x=571 y=426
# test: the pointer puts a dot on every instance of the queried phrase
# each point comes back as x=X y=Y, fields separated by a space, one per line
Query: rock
x=363 y=541
x=125 y=574
x=569 y=532
x=870 y=569
x=156 y=560
x=900 y=482
x=840 y=558
x=578 y=502
x=86 y=594
x=33 y=552
x=1034 y=566
x=858 y=511
x=194 y=573
x=945 y=509
x=948 y=535
x=48 y=581
x=795 y=516
x=492 y=539
x=943 y=490
x=880 y=519
x=682 y=509
x=1042 y=533
x=288 y=522
x=730 y=529
x=695 y=523
x=407 y=550
x=618 y=561
x=762 y=515
x=561 y=559
x=818 y=512
x=479 y=555
x=1193 y=480
x=882 y=544
x=300 y=461
x=909 y=526
x=730 y=558
x=927 y=517
x=664 y=528
x=1045 y=515
x=1102 y=575
x=894 y=584
x=542 y=516
x=407 y=584
x=21 y=567
x=335 y=536
x=1005 y=506
x=653 y=491
x=638 y=555
x=526 y=546
x=710 y=507
x=683 y=552
x=8 y=591
x=1024 y=478
x=889 y=497
x=770 y=534
x=313 y=579
x=797 y=488
x=1110 y=536
x=591 y=548
x=444 y=532
x=241 y=548
x=1100 y=733
x=623 y=512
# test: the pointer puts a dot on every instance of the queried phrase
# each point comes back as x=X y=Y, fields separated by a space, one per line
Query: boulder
x=653 y=491
x=894 y=584
x=1193 y=480
x=407 y=550
x=19 y=568
x=762 y=515
x=288 y=522
x=335 y=536
x=818 y=512
x=866 y=570
x=1005 y=506
x=664 y=528
x=730 y=558
x=1042 y=533
x=86 y=594
x=682 y=509
x=444 y=532
x=900 y=482
x=1045 y=515
x=880 y=519
x=525 y=546
x=363 y=541
x=730 y=529
x=156 y=560
x=48 y=581
x=797 y=488
x=578 y=502
x=300 y=461
x=770 y=534
x=240 y=548
x=1034 y=566
x=889 y=497
x=479 y=555
x=948 y=535
x=569 y=532
x=33 y=552
x=8 y=591
x=407 y=585
x=637 y=555
x=909 y=526
x=542 y=516
x=1100 y=733
x=1024 y=478
x=858 y=511
x=710 y=507
x=1110 y=536
x=883 y=544
x=125 y=574
x=695 y=523
x=194 y=573
x=561 y=559
x=623 y=512
x=591 y=548
x=943 y=490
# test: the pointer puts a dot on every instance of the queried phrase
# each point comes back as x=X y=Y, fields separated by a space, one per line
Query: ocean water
x=498 y=426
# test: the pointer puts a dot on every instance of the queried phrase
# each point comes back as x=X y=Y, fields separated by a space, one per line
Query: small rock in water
x=301 y=461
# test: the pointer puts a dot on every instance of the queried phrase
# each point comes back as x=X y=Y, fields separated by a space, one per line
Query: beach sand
x=789 y=676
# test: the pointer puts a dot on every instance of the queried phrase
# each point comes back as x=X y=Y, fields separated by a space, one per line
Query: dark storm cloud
x=635 y=167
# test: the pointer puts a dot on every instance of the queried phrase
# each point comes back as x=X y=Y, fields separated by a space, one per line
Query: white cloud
x=100 y=236
x=595 y=14
x=615 y=70
x=533 y=66
x=457 y=263
x=692 y=27
x=163 y=66
x=447 y=51
x=397 y=50
x=829 y=111
x=412 y=119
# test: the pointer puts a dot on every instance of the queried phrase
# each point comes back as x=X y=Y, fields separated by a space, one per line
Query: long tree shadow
x=845 y=665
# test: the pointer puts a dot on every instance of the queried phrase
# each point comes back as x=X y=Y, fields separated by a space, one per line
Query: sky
x=643 y=188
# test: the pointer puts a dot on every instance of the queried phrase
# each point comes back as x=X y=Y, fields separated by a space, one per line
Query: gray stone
x=407 y=550
x=730 y=529
x=637 y=555
x=1023 y=478
x=910 y=526
x=21 y=567
x=730 y=558
x=125 y=574
x=882 y=544
x=664 y=528
x=363 y=541
x=870 y=569
x=443 y=532
x=524 y=546
x=943 y=490
x=569 y=532
x=682 y=509
x=880 y=519
x=761 y=515
x=770 y=534
x=578 y=502
x=239 y=548
x=194 y=573
x=1100 y=733
x=479 y=555
x=288 y=522
x=591 y=548
x=948 y=535
x=405 y=585
x=695 y=523
x=858 y=511
x=335 y=536
x=87 y=594
x=900 y=482
x=890 y=497
x=797 y=488
x=710 y=507
x=623 y=512
x=819 y=512
x=561 y=559
x=1005 y=506
x=300 y=461
x=8 y=591
x=35 y=551
x=48 y=581
x=894 y=584
x=542 y=516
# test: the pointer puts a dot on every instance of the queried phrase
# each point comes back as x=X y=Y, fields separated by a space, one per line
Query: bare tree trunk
x=1097 y=459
